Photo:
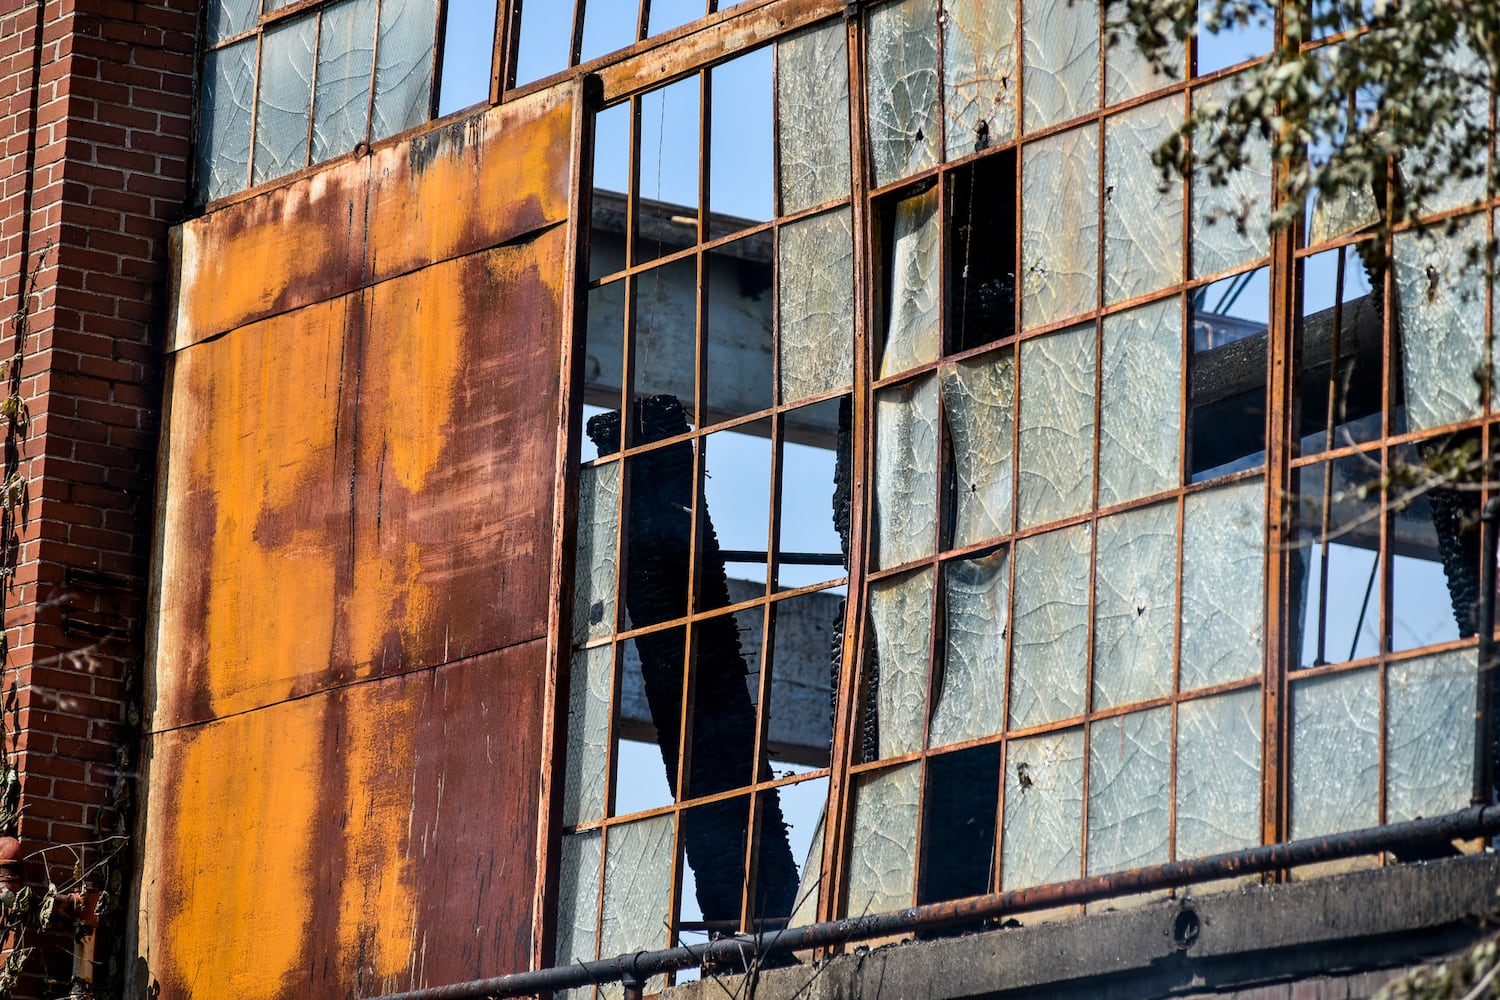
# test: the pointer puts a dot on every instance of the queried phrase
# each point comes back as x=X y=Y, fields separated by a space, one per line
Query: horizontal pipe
x=1472 y=822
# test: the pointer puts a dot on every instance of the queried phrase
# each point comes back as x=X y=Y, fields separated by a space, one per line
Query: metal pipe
x=1484 y=726
x=734 y=951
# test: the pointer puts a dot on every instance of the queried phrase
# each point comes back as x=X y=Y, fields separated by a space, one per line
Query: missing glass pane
x=610 y=220
x=468 y=45
x=722 y=721
x=737 y=508
x=1227 y=425
x=669 y=14
x=603 y=361
x=806 y=651
x=814 y=504
x=665 y=332
x=1336 y=567
x=715 y=838
x=742 y=144
x=608 y=25
x=1435 y=521
x=981 y=274
x=1339 y=340
x=801 y=807
x=958 y=824
x=667 y=182
x=546 y=37
x=1223 y=43
x=741 y=314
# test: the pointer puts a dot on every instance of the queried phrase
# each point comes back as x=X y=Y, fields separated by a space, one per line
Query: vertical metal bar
x=507 y=47
x=439 y=36
x=374 y=64
x=312 y=90
x=1484 y=726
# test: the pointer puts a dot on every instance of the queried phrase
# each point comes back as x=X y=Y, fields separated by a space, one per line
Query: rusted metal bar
x=732 y=952
x=1484 y=723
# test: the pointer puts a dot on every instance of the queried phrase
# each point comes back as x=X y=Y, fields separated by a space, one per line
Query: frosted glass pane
x=1231 y=222
x=1218 y=774
x=1130 y=781
x=596 y=568
x=1429 y=743
x=812 y=96
x=285 y=102
x=978 y=397
x=578 y=897
x=913 y=333
x=1043 y=810
x=589 y=686
x=882 y=857
x=1135 y=605
x=1060 y=226
x=637 y=891
x=1061 y=75
x=403 y=66
x=1051 y=643
x=227 y=18
x=903 y=94
x=1142 y=212
x=1335 y=753
x=971 y=698
x=1223 y=584
x=906 y=448
x=1440 y=296
x=1128 y=74
x=226 y=109
x=901 y=616
x=1140 y=411
x=815 y=273
x=979 y=74
x=346 y=46
x=1057 y=425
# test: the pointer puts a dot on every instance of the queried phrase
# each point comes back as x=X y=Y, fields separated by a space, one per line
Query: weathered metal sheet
x=373 y=838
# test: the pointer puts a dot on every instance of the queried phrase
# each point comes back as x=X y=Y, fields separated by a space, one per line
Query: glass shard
x=1429 y=742
x=346 y=47
x=1335 y=753
x=578 y=897
x=1060 y=226
x=978 y=406
x=1140 y=410
x=812 y=99
x=1142 y=209
x=1223 y=584
x=979 y=74
x=226 y=107
x=589 y=689
x=1061 y=60
x=914 y=333
x=1057 y=425
x=1043 y=836
x=1231 y=220
x=809 y=887
x=901 y=618
x=1051 y=647
x=403 y=66
x=1440 y=298
x=1135 y=605
x=906 y=452
x=882 y=864
x=1218 y=773
x=596 y=568
x=971 y=695
x=1130 y=779
x=638 y=891
x=903 y=93
x=816 y=305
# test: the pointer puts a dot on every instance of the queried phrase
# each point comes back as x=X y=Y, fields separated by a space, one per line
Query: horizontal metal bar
x=733 y=951
x=785 y=558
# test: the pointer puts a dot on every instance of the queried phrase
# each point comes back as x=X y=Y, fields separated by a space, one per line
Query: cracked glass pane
x=979 y=74
x=1135 y=605
x=809 y=886
x=1218 y=773
x=1057 y=425
x=1130 y=778
x=882 y=864
x=812 y=97
x=227 y=18
x=1060 y=226
x=978 y=401
x=346 y=46
x=914 y=333
x=1429 y=742
x=578 y=897
x=638 y=891
x=1467 y=67
x=1223 y=584
x=971 y=694
x=1129 y=74
x=1231 y=221
x=403 y=66
x=1440 y=296
x=896 y=671
x=1043 y=838
x=815 y=273
x=589 y=686
x=1140 y=408
x=1061 y=60
x=1142 y=211
x=598 y=524
x=226 y=109
x=1335 y=753
x=1050 y=651
x=906 y=452
x=903 y=95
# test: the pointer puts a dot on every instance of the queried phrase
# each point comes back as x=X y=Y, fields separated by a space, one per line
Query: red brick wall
x=95 y=123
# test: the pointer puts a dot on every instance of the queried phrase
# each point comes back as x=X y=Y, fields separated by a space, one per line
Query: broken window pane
x=637 y=891
x=1231 y=221
x=1435 y=562
x=979 y=74
x=1061 y=56
x=1142 y=210
x=903 y=94
x=227 y=18
x=603 y=347
x=546 y=36
x=589 y=689
x=715 y=837
x=346 y=46
x=1060 y=226
x=1440 y=300
x=981 y=266
x=1218 y=773
x=812 y=547
x=611 y=183
x=722 y=719
x=665 y=332
x=403 y=66
x=468 y=48
x=1222 y=45
x=1335 y=753
x=1340 y=373
x=741 y=314
x=667 y=215
x=882 y=864
x=812 y=99
x=1130 y=778
x=578 y=897
x=1051 y=648
x=1336 y=569
x=978 y=400
x=1227 y=425
x=906 y=454
x=1057 y=425
x=225 y=110
x=607 y=27
x=1043 y=834
x=1135 y=605
x=790 y=819
x=913 y=333
x=806 y=634
x=1129 y=74
x=896 y=663
x=1429 y=735
x=669 y=14
x=1140 y=412
x=596 y=568
x=1223 y=584
x=815 y=274
x=971 y=693
x=958 y=825
x=737 y=497
x=741 y=169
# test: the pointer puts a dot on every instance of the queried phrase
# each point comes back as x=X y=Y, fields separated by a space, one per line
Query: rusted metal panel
x=372 y=838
